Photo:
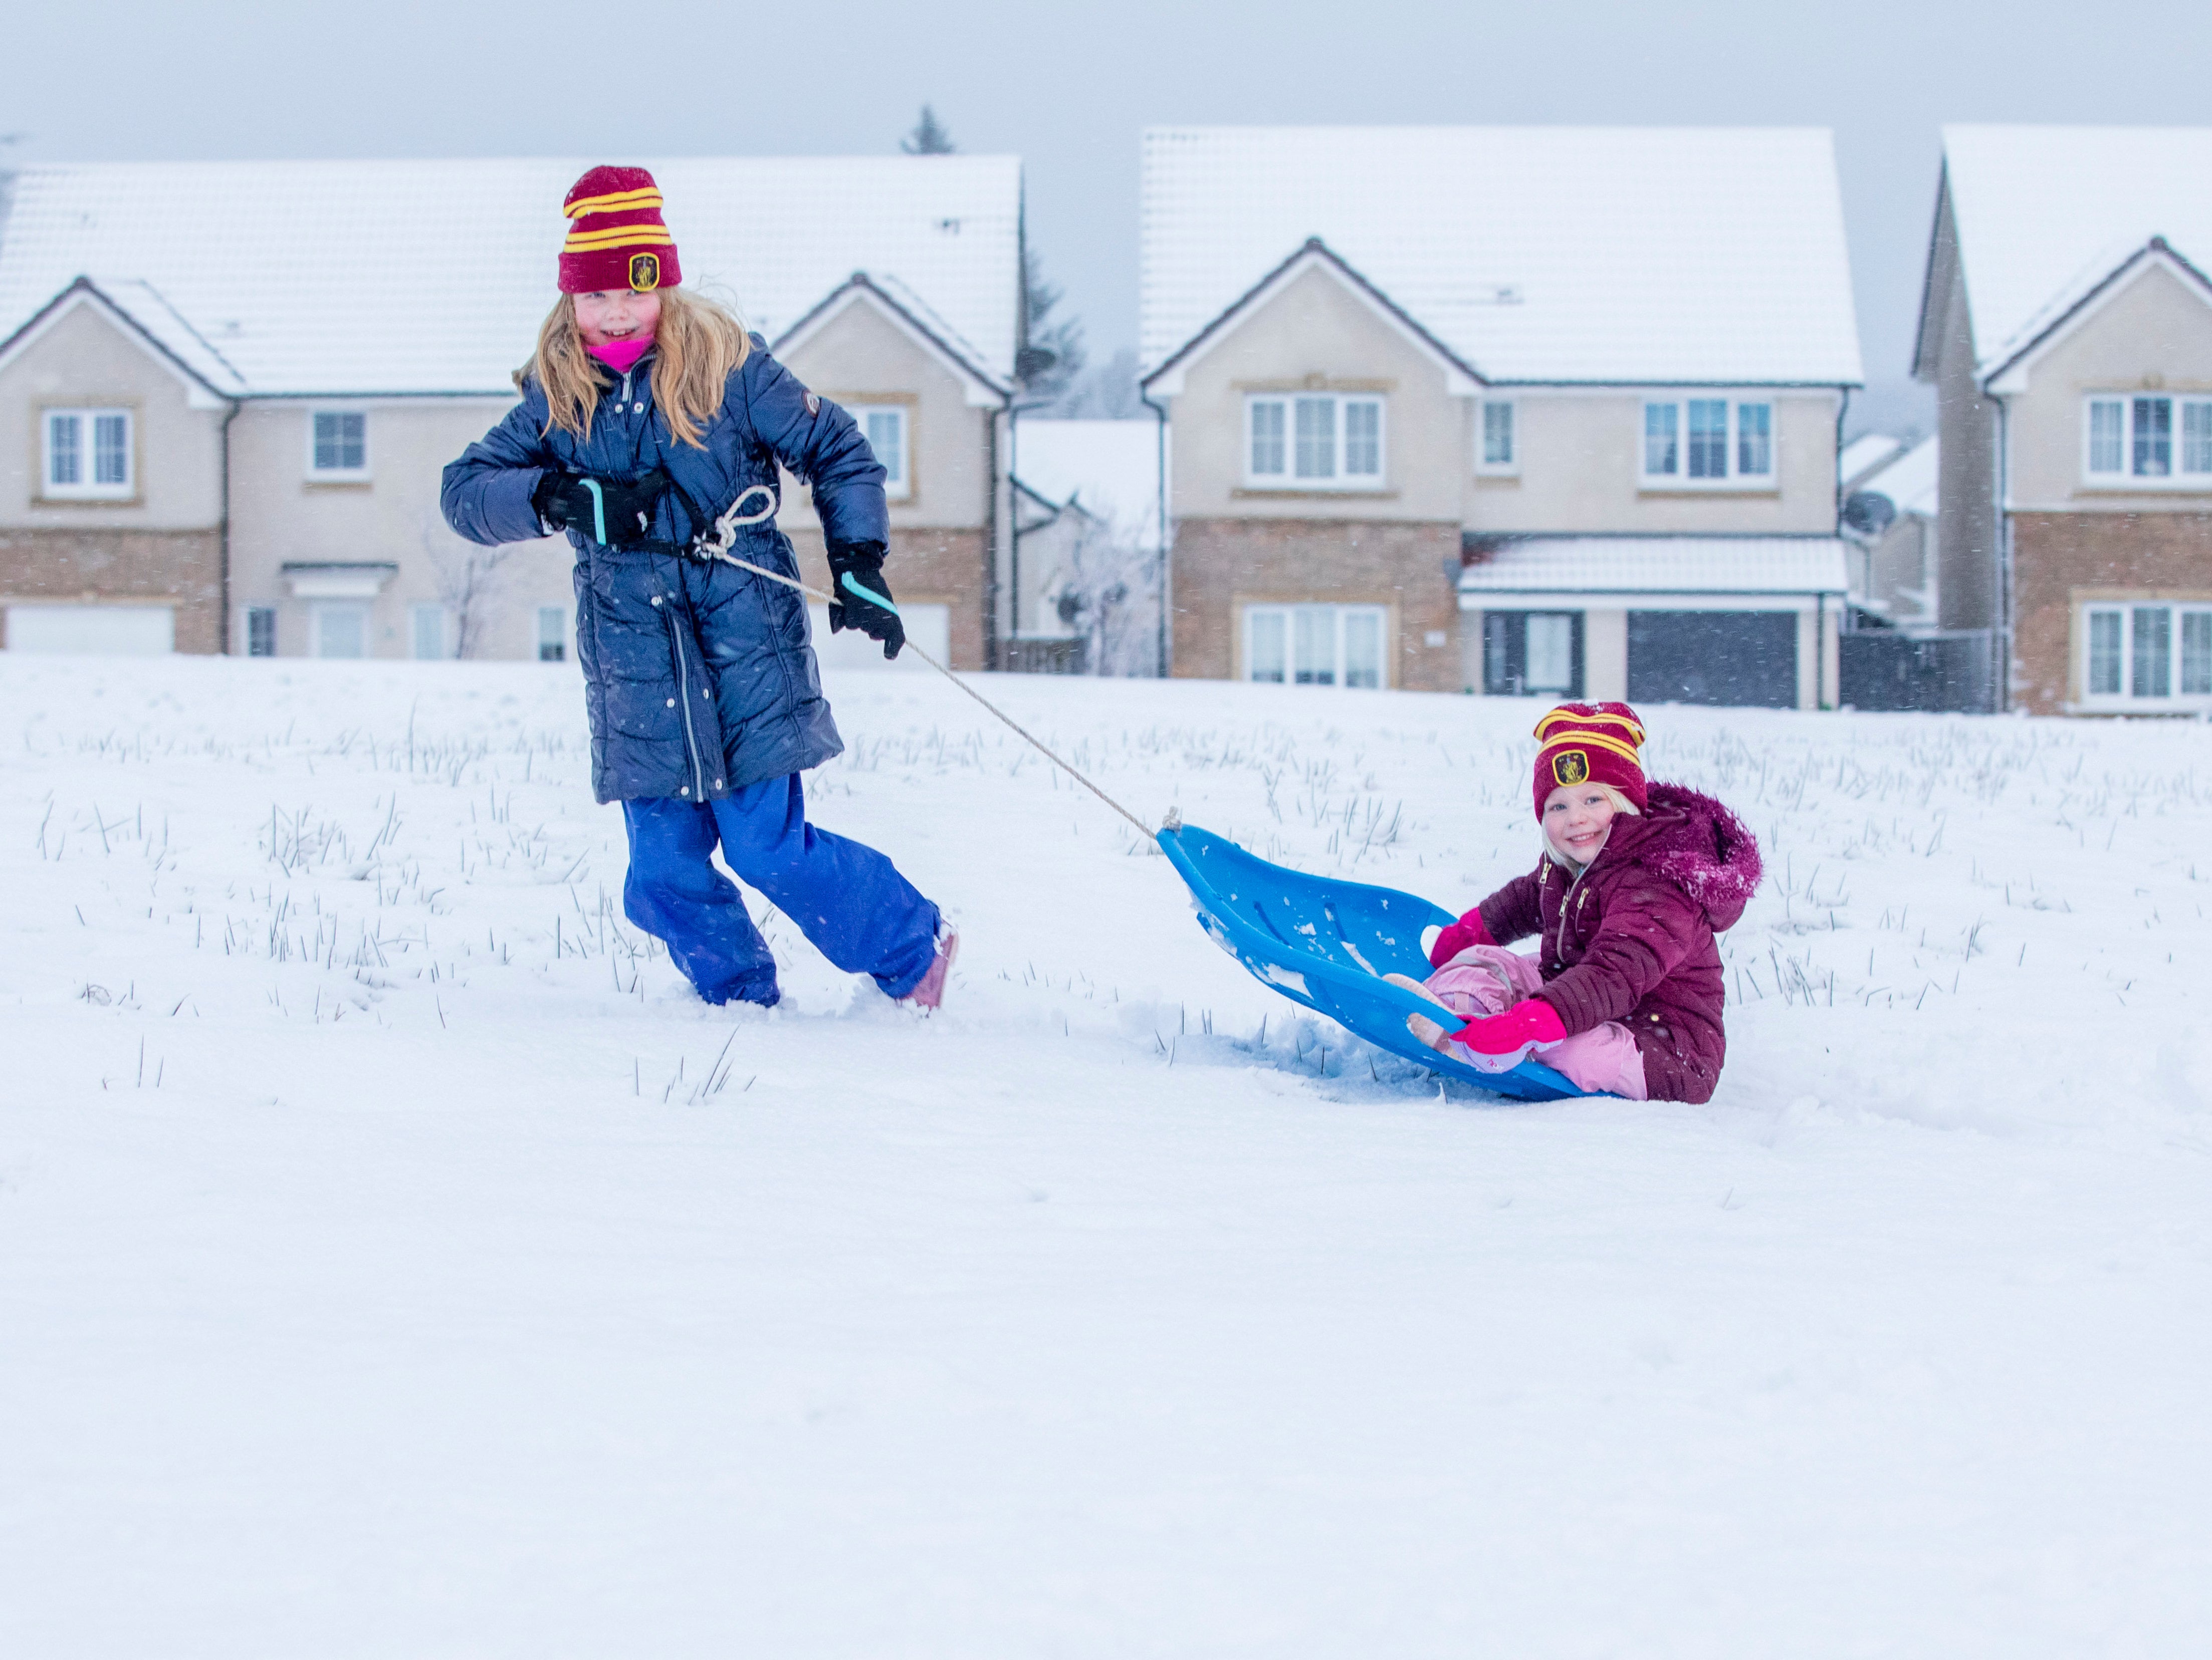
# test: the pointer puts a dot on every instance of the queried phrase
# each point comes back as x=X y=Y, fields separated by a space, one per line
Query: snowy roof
x=2045 y=213
x=1108 y=469
x=1581 y=254
x=1863 y=455
x=1909 y=481
x=433 y=277
x=1661 y=564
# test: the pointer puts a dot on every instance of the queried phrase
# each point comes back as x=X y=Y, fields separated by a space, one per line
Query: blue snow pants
x=848 y=899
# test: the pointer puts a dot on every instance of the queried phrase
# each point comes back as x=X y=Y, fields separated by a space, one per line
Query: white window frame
x=321 y=474
x=900 y=489
x=86 y=419
x=1511 y=465
x=1288 y=612
x=1732 y=478
x=1337 y=481
x=247 y=615
x=553 y=634
x=2195 y=482
x=423 y=612
x=2126 y=697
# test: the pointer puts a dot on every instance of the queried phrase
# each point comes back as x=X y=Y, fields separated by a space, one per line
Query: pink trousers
x=1490 y=979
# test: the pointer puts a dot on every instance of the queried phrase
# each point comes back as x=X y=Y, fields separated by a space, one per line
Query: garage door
x=929 y=626
x=1739 y=657
x=101 y=630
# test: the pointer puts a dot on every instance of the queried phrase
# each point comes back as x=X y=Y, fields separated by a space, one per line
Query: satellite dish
x=1869 y=512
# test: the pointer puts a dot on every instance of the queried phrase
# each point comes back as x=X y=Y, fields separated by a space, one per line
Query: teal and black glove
x=864 y=598
x=612 y=512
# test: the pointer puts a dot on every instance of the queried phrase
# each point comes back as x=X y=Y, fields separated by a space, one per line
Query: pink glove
x=1451 y=942
x=1501 y=1042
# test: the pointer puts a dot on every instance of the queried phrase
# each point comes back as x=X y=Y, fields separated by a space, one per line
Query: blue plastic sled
x=1327 y=944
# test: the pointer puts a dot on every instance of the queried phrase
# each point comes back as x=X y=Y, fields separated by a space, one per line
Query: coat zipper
x=684 y=691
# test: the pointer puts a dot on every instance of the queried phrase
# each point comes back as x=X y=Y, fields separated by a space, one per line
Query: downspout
x=2001 y=671
x=991 y=533
x=1161 y=466
x=222 y=540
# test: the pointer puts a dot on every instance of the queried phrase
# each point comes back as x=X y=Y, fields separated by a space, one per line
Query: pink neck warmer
x=621 y=356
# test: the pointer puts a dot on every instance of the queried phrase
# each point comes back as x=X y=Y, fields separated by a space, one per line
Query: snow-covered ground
x=396 y=1261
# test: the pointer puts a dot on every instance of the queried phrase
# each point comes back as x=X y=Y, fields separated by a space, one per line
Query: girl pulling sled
x=648 y=413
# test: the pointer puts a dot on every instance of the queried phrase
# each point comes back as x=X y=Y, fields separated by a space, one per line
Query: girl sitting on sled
x=1634 y=880
x=647 y=412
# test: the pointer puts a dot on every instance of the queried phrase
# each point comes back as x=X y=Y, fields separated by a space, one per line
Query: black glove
x=864 y=598
x=565 y=501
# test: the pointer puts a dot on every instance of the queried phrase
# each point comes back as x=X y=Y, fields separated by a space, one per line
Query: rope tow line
x=717 y=547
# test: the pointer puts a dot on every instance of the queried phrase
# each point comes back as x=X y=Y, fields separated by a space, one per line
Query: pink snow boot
x=929 y=991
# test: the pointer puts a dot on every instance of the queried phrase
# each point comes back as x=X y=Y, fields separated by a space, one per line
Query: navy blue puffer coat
x=699 y=679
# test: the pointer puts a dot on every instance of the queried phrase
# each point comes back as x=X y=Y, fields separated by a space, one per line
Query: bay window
x=2148 y=440
x=1314 y=440
x=1708 y=442
x=2147 y=652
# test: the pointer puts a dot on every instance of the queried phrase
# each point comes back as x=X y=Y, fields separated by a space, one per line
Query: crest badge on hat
x=645 y=272
x=1569 y=767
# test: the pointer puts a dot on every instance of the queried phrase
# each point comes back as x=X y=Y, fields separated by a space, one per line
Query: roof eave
x=859 y=282
x=85 y=287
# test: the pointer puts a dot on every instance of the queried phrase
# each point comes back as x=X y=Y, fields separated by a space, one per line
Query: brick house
x=2066 y=325
x=1543 y=412
x=234 y=442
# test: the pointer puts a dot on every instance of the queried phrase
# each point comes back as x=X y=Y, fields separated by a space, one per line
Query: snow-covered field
x=395 y=1260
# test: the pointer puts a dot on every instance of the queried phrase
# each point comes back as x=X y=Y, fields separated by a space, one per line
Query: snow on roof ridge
x=322 y=254
x=2046 y=214
x=1542 y=254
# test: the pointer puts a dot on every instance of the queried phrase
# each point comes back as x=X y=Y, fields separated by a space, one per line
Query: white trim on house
x=2074 y=310
x=1168 y=380
x=982 y=391
x=1787 y=568
x=199 y=393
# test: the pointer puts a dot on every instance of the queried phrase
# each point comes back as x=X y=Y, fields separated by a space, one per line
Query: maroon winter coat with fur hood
x=1632 y=938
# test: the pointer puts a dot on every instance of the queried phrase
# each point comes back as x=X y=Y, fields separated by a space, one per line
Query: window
x=886 y=425
x=1315 y=645
x=1495 y=451
x=341 y=630
x=1314 y=440
x=427 y=633
x=2148 y=441
x=2148 y=651
x=338 y=444
x=1708 y=442
x=1532 y=653
x=552 y=635
x=261 y=631
x=88 y=455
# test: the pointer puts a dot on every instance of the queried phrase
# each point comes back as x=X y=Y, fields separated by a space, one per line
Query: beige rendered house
x=1539 y=412
x=233 y=442
x=2066 y=324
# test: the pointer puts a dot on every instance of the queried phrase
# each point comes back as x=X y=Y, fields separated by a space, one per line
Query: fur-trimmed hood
x=1696 y=843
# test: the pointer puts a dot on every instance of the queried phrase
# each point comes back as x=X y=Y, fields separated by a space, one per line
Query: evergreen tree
x=929 y=137
x=1062 y=340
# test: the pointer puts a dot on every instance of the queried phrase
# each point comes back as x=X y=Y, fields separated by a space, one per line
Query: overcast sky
x=1068 y=89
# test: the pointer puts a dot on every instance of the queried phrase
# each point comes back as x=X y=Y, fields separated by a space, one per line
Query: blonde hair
x=698 y=346
x=1620 y=803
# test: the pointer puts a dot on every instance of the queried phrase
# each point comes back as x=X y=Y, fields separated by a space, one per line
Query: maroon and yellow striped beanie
x=1582 y=742
x=616 y=239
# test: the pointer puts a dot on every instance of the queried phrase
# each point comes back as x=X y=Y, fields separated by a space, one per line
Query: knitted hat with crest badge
x=616 y=239
x=1590 y=742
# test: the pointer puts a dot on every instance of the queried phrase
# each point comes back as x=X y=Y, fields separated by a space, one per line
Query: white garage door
x=929 y=627
x=104 y=630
